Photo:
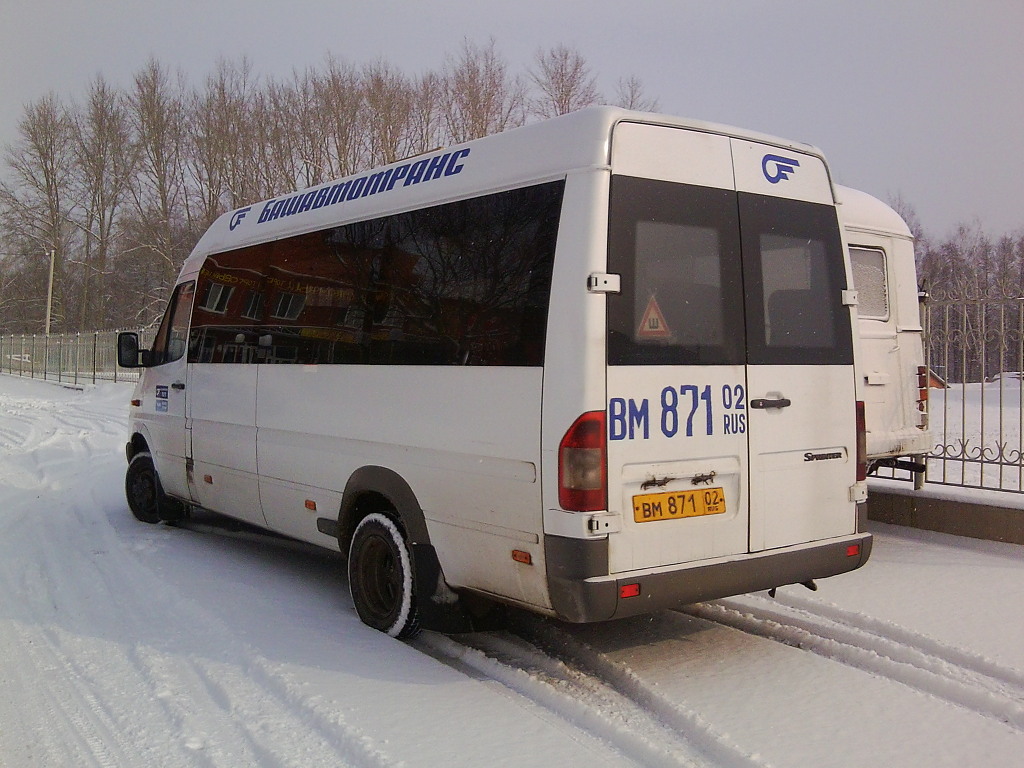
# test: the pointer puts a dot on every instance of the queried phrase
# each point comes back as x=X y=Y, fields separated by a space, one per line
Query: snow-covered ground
x=123 y=644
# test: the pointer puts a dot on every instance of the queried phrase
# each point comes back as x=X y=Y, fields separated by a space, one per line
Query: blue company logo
x=237 y=217
x=783 y=167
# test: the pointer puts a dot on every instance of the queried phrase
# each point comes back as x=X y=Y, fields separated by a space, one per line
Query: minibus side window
x=229 y=301
x=172 y=337
x=462 y=283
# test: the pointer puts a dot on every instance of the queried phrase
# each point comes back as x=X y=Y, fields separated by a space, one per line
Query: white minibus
x=592 y=367
x=892 y=364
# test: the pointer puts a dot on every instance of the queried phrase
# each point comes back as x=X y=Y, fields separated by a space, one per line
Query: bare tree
x=290 y=152
x=8 y=282
x=427 y=124
x=480 y=97
x=630 y=94
x=122 y=186
x=340 y=99
x=388 y=113
x=104 y=162
x=157 y=233
x=223 y=156
x=38 y=202
x=564 y=80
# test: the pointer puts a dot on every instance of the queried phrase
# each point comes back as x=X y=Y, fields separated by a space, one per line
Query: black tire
x=380 y=577
x=146 y=497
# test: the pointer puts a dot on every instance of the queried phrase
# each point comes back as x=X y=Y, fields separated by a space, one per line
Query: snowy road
x=123 y=644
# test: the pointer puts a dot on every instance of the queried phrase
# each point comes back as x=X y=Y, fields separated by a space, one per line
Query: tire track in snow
x=131 y=694
x=597 y=714
x=232 y=712
x=583 y=687
x=218 y=684
x=20 y=430
x=880 y=648
x=89 y=736
x=211 y=696
x=86 y=679
x=40 y=438
x=957 y=657
x=257 y=693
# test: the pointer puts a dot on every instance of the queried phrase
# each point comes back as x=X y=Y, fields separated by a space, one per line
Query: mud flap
x=438 y=606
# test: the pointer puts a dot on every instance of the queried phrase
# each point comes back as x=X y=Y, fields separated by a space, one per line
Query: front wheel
x=146 y=497
x=380 y=577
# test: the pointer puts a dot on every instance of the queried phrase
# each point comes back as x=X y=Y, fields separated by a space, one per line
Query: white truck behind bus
x=892 y=362
x=592 y=367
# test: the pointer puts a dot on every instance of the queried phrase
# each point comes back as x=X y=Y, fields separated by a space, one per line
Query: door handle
x=761 y=402
x=178 y=385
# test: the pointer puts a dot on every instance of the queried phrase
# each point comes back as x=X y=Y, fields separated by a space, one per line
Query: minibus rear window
x=794 y=276
x=677 y=250
x=714 y=277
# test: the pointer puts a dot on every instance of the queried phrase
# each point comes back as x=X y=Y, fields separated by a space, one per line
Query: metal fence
x=975 y=352
x=74 y=358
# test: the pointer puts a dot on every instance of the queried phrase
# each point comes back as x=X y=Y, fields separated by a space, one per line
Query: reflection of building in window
x=354 y=317
x=216 y=298
x=289 y=305
x=238 y=353
x=280 y=353
x=204 y=347
x=253 y=306
x=393 y=318
x=463 y=283
x=324 y=296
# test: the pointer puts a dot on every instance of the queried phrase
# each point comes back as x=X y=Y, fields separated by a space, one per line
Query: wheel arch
x=139 y=440
x=379 y=489
x=136 y=444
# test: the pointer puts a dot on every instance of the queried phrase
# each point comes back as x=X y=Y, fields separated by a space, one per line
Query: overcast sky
x=920 y=98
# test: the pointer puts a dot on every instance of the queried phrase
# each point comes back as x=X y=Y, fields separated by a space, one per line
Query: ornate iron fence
x=975 y=352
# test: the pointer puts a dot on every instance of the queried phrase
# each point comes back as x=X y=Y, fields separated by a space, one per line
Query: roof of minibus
x=859 y=210
x=534 y=153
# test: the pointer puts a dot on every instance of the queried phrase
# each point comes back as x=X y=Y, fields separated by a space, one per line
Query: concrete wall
x=989 y=517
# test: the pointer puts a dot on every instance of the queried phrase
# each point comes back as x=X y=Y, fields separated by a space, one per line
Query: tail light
x=862 y=443
x=583 y=465
x=922 y=397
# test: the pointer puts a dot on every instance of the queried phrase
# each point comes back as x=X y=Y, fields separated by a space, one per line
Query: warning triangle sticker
x=653 y=325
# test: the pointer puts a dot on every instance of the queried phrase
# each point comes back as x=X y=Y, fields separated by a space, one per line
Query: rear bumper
x=597 y=598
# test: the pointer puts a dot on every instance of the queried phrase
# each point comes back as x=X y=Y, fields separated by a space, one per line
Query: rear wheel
x=146 y=497
x=380 y=577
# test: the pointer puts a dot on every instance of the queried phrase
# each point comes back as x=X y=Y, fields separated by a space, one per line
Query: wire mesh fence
x=74 y=358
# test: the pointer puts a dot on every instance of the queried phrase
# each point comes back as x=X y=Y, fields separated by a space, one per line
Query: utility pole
x=49 y=293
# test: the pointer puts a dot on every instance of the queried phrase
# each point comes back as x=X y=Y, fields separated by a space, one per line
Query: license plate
x=651 y=507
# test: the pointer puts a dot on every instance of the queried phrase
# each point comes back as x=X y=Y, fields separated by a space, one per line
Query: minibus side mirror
x=128 y=353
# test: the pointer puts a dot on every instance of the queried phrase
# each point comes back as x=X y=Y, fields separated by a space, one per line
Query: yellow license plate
x=650 y=507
